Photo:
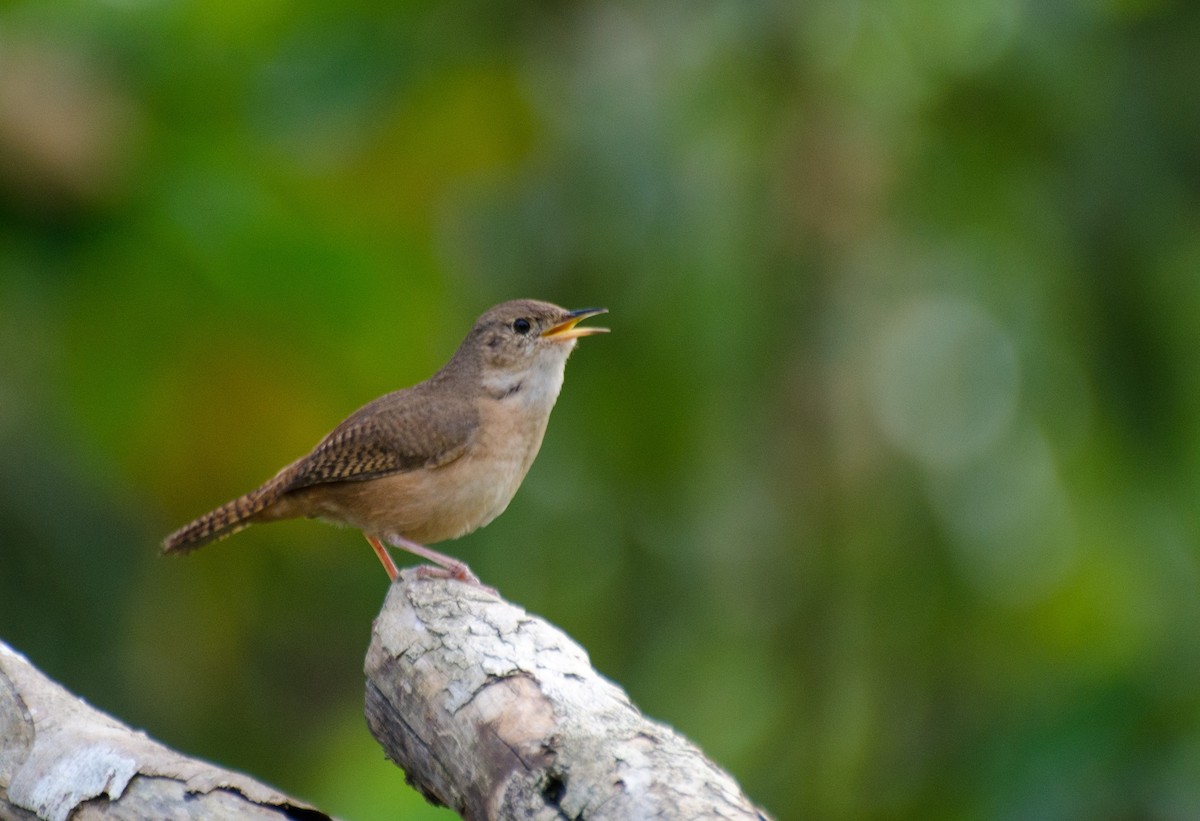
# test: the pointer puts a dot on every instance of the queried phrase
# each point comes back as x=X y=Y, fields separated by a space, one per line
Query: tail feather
x=226 y=520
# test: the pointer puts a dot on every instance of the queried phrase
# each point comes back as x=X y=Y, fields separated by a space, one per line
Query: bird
x=431 y=462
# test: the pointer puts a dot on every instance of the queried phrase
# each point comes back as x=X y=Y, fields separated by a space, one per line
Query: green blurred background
x=882 y=490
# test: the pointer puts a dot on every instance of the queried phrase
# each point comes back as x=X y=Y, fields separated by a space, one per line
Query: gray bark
x=61 y=758
x=490 y=711
x=498 y=715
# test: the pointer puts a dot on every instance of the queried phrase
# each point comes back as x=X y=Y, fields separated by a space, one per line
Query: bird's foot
x=459 y=572
x=444 y=567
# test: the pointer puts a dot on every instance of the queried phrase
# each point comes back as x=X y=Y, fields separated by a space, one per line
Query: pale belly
x=426 y=506
x=430 y=505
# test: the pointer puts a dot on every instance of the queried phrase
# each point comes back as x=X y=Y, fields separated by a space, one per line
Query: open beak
x=566 y=329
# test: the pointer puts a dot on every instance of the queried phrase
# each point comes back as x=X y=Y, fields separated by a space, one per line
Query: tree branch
x=498 y=715
x=489 y=710
x=60 y=758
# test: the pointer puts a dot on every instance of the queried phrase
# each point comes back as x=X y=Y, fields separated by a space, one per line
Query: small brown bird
x=431 y=462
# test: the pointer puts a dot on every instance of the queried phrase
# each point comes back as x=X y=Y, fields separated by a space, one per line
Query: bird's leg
x=384 y=556
x=447 y=567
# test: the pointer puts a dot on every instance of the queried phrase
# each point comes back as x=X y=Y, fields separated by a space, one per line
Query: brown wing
x=398 y=432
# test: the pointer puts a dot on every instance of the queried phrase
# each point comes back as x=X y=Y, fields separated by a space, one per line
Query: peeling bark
x=60 y=758
x=490 y=711
x=498 y=715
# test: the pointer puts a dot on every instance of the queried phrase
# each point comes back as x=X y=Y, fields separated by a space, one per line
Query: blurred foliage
x=883 y=488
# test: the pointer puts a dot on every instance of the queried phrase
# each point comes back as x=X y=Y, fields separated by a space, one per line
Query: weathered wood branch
x=60 y=758
x=498 y=715
x=489 y=710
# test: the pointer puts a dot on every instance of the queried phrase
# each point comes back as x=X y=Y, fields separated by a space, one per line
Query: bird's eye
x=521 y=326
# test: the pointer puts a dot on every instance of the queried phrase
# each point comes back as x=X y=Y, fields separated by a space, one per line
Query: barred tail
x=226 y=520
